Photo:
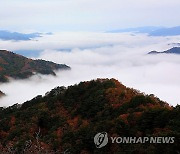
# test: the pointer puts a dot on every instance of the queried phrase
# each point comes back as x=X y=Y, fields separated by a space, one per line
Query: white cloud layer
x=101 y=55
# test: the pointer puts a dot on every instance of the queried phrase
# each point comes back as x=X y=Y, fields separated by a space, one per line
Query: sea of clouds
x=94 y=55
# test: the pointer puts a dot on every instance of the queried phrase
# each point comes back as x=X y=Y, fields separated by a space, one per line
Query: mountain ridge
x=7 y=35
x=174 y=50
x=19 y=67
x=67 y=119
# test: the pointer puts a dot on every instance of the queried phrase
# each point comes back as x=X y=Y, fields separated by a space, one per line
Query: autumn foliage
x=65 y=120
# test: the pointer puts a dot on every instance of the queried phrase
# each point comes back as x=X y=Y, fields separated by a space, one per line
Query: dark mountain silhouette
x=66 y=120
x=19 y=67
x=174 y=50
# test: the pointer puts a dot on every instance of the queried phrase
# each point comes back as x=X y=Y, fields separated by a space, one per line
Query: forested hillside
x=67 y=119
x=19 y=67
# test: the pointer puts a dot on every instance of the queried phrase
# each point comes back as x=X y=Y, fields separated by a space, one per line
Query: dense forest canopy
x=67 y=119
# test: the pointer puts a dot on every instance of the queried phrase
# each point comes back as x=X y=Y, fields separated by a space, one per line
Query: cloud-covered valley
x=100 y=55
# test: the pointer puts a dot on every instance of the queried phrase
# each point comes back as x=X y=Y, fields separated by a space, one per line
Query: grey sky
x=89 y=15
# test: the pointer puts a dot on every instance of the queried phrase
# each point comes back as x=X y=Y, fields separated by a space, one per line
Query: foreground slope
x=67 y=119
x=19 y=67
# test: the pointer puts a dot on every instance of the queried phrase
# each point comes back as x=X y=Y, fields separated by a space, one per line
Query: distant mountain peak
x=172 y=31
x=174 y=50
x=7 y=35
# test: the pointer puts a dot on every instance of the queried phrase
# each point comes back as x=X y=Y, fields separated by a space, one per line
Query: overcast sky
x=86 y=15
